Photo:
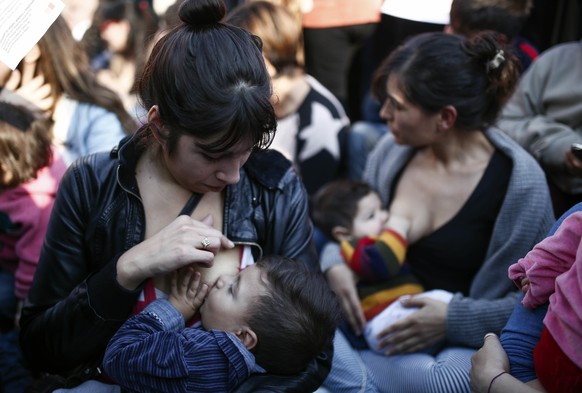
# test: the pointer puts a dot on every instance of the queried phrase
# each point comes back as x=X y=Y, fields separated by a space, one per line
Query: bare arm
x=490 y=371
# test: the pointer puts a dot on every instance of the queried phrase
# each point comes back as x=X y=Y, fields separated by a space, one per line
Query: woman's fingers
x=424 y=327
x=28 y=71
x=13 y=81
x=182 y=242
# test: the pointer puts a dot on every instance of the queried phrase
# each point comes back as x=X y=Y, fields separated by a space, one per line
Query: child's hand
x=188 y=295
x=524 y=284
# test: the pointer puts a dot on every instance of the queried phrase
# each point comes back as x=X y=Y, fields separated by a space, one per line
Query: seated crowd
x=253 y=195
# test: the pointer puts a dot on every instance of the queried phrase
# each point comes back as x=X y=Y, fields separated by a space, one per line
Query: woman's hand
x=490 y=371
x=425 y=327
x=30 y=84
x=342 y=281
x=183 y=242
x=187 y=295
x=487 y=362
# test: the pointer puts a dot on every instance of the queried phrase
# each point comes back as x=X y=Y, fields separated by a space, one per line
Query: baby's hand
x=524 y=284
x=188 y=295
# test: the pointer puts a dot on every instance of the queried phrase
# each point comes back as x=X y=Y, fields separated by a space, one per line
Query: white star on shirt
x=321 y=134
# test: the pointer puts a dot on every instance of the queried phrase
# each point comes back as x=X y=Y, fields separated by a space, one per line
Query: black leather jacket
x=75 y=304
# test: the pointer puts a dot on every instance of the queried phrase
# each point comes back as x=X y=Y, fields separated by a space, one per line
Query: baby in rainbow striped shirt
x=373 y=243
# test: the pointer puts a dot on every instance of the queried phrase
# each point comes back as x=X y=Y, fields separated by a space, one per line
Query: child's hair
x=336 y=204
x=297 y=317
x=280 y=31
x=504 y=16
x=25 y=145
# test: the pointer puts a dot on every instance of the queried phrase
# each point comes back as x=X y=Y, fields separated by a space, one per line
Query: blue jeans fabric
x=14 y=375
x=348 y=374
x=366 y=371
x=519 y=338
x=448 y=371
x=8 y=300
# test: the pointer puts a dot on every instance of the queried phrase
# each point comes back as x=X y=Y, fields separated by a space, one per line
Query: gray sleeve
x=543 y=115
x=468 y=320
x=330 y=256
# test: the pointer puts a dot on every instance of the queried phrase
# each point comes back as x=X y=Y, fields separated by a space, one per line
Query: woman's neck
x=460 y=148
x=151 y=167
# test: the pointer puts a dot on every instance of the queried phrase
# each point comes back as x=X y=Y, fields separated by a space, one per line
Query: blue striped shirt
x=153 y=352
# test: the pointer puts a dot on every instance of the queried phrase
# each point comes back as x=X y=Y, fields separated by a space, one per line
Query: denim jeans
x=519 y=338
x=14 y=375
x=348 y=374
x=7 y=298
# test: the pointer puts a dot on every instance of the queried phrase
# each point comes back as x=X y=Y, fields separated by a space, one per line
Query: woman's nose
x=229 y=173
x=386 y=111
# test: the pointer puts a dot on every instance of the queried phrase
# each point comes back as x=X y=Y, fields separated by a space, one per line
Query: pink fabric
x=25 y=211
x=554 y=268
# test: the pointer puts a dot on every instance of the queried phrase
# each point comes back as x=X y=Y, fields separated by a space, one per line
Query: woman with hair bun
x=477 y=202
x=195 y=187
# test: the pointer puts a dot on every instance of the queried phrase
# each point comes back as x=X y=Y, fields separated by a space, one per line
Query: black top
x=468 y=232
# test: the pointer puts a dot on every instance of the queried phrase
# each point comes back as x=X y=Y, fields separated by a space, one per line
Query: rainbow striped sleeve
x=375 y=259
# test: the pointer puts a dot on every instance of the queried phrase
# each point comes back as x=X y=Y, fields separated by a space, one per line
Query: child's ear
x=340 y=233
x=248 y=337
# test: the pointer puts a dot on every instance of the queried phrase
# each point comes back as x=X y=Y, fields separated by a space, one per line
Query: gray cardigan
x=524 y=219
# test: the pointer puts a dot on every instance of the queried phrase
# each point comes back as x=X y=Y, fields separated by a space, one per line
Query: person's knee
x=348 y=371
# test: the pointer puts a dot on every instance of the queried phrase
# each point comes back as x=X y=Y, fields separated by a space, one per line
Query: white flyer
x=22 y=24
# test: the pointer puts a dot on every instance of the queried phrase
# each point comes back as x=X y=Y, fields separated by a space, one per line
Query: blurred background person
x=544 y=115
x=30 y=173
x=78 y=14
x=335 y=32
x=117 y=45
x=507 y=17
x=312 y=125
x=55 y=76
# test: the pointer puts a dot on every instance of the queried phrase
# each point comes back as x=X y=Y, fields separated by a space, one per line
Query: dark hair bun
x=202 y=12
